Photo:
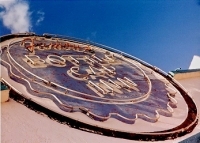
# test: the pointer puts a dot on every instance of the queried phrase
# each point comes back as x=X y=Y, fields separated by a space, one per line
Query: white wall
x=195 y=64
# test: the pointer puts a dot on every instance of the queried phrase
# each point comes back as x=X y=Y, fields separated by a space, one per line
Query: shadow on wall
x=192 y=139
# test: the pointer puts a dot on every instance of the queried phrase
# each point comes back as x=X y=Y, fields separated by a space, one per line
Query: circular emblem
x=102 y=84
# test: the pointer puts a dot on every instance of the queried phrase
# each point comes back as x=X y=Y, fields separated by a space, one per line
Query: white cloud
x=41 y=17
x=92 y=36
x=6 y=3
x=15 y=15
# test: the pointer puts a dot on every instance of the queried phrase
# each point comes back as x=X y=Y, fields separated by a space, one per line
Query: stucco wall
x=192 y=85
x=185 y=76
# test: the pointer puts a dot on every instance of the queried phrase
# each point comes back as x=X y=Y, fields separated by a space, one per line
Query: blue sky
x=164 y=33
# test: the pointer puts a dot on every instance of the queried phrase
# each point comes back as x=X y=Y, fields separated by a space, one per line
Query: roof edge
x=185 y=74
